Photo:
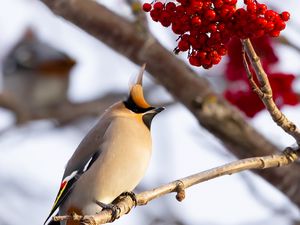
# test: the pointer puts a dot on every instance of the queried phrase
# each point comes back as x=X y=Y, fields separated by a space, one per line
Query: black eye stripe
x=130 y=104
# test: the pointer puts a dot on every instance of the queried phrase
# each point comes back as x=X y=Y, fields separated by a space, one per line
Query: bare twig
x=178 y=186
x=285 y=41
x=264 y=91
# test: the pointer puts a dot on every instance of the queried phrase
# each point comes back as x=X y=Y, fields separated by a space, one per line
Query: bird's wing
x=88 y=146
x=68 y=184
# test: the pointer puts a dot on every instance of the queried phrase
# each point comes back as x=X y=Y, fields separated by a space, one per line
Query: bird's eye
x=130 y=104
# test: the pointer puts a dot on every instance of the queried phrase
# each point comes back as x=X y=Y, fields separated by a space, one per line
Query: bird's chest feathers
x=125 y=136
x=125 y=156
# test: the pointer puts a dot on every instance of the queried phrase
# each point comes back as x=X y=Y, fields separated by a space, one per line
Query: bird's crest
x=136 y=90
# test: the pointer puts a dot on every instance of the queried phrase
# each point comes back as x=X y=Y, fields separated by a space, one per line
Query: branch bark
x=210 y=109
x=126 y=204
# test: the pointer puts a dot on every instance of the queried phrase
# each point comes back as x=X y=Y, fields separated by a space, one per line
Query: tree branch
x=265 y=92
x=210 y=109
x=126 y=204
x=285 y=41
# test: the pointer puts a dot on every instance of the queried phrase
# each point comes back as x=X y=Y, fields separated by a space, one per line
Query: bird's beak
x=159 y=109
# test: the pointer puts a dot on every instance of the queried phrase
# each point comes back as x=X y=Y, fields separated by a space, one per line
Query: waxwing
x=111 y=159
x=36 y=74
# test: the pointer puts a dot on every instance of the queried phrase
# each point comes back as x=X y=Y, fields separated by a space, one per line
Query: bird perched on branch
x=36 y=74
x=111 y=159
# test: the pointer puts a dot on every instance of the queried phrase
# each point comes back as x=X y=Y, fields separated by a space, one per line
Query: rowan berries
x=204 y=27
x=147 y=7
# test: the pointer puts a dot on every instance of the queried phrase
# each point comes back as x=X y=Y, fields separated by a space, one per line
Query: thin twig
x=265 y=92
x=285 y=41
x=253 y=85
x=126 y=204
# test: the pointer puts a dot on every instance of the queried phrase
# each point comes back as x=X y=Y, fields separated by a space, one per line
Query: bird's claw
x=115 y=210
x=131 y=195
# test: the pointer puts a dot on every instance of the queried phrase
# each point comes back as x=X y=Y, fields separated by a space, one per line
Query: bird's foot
x=131 y=195
x=115 y=210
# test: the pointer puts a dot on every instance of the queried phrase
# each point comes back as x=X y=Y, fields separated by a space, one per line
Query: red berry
x=183 y=2
x=227 y=12
x=212 y=28
x=216 y=59
x=202 y=55
x=170 y=7
x=194 y=42
x=280 y=25
x=183 y=45
x=158 y=5
x=196 y=21
x=261 y=22
x=251 y=7
x=274 y=33
x=147 y=7
x=246 y=2
x=210 y=14
x=269 y=26
x=185 y=37
x=285 y=16
x=261 y=8
x=230 y=2
x=196 y=6
x=270 y=15
x=165 y=19
x=155 y=15
x=194 y=60
x=222 y=50
x=218 y=3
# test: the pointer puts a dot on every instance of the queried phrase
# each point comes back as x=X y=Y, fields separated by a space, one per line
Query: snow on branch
x=125 y=204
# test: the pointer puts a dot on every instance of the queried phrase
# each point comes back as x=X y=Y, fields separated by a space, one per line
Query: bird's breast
x=124 y=158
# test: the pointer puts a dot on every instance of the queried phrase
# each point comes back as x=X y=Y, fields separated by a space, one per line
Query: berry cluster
x=205 y=26
x=256 y=20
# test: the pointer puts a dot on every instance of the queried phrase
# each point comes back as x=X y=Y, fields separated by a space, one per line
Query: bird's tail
x=52 y=222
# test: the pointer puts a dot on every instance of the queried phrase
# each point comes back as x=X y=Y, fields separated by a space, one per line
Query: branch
x=285 y=41
x=63 y=113
x=66 y=112
x=126 y=204
x=265 y=91
x=210 y=109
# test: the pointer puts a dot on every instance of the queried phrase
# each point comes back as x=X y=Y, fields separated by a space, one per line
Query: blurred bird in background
x=111 y=159
x=36 y=74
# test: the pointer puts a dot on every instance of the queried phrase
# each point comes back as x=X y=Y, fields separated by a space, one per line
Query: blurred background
x=87 y=76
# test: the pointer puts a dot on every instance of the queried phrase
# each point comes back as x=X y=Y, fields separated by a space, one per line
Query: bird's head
x=136 y=102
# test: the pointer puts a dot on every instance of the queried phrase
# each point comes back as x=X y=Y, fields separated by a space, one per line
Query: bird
x=111 y=159
x=36 y=74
